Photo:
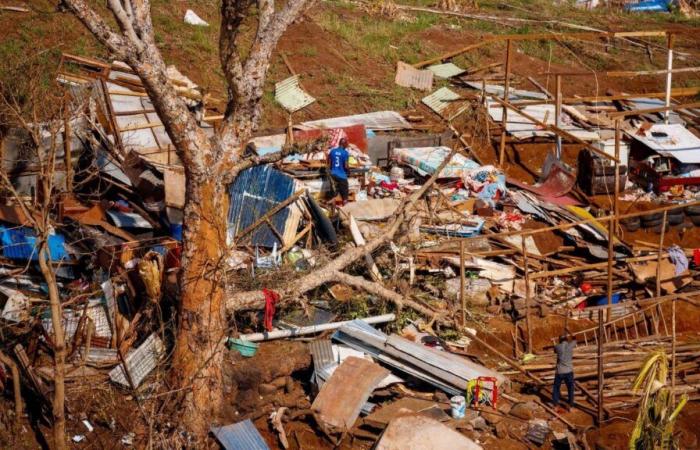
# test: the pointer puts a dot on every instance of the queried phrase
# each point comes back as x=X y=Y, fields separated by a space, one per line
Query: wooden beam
x=267 y=215
x=637 y=112
x=504 y=119
x=675 y=92
x=554 y=129
x=566 y=226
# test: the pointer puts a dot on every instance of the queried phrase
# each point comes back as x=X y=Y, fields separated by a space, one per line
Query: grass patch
x=380 y=38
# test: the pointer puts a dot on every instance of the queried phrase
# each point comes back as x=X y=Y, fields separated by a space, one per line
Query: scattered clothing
x=677 y=257
x=271 y=298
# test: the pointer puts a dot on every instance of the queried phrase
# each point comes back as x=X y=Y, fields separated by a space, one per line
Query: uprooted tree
x=211 y=164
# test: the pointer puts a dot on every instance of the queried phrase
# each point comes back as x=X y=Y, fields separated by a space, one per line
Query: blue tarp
x=254 y=192
x=648 y=6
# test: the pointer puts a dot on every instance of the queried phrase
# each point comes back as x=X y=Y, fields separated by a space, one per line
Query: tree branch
x=271 y=158
x=244 y=110
x=116 y=44
x=142 y=55
x=256 y=299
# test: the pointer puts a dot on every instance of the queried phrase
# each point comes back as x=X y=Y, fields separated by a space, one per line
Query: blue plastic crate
x=20 y=243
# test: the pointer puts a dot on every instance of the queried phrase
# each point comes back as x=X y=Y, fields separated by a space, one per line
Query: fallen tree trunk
x=249 y=300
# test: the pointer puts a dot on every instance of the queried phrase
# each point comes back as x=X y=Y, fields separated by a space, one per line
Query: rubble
x=481 y=271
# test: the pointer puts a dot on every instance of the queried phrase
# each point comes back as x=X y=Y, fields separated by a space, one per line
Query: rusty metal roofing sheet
x=341 y=398
x=410 y=77
x=291 y=96
x=240 y=436
x=447 y=70
x=445 y=102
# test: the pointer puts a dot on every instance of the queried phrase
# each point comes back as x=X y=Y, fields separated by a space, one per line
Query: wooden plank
x=638 y=112
x=269 y=214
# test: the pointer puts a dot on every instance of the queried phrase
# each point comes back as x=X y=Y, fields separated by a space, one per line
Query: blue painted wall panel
x=254 y=192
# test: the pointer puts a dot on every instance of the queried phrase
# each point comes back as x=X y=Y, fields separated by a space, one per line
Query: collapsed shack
x=461 y=276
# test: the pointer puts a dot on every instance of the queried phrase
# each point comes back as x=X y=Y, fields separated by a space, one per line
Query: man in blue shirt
x=338 y=168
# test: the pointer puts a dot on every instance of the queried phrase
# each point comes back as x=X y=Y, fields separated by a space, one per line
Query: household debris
x=468 y=259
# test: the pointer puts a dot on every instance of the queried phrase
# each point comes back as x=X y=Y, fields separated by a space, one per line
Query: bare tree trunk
x=59 y=346
x=198 y=351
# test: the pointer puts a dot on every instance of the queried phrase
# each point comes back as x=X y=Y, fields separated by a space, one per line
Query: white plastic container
x=458 y=404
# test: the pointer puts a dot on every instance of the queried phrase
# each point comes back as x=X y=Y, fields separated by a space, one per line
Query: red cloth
x=586 y=288
x=271 y=298
x=696 y=256
x=389 y=186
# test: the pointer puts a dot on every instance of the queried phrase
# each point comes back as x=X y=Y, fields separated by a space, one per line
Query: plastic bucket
x=245 y=348
x=458 y=405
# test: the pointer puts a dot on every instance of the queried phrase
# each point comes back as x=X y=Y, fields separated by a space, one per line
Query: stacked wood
x=622 y=361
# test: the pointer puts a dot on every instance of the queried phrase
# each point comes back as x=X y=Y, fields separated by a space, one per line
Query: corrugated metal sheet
x=341 y=398
x=256 y=191
x=513 y=94
x=558 y=183
x=128 y=220
x=447 y=70
x=410 y=77
x=445 y=102
x=291 y=96
x=446 y=371
x=379 y=120
x=240 y=436
x=672 y=140
x=140 y=362
x=521 y=127
x=322 y=352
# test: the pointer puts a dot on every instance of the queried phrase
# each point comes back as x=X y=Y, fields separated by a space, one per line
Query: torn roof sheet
x=378 y=120
x=140 y=362
x=426 y=160
x=255 y=192
x=240 y=436
x=672 y=140
x=291 y=96
x=649 y=103
x=445 y=102
x=522 y=128
x=447 y=70
x=128 y=220
x=410 y=77
x=513 y=94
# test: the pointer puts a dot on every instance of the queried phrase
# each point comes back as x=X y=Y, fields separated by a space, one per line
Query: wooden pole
x=462 y=300
x=67 y=154
x=613 y=223
x=673 y=350
x=669 y=75
x=527 y=298
x=661 y=251
x=557 y=114
x=601 y=380
x=502 y=149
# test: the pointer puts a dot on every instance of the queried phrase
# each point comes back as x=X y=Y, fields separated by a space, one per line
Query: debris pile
x=442 y=335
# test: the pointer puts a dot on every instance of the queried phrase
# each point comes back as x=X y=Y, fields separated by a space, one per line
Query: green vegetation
x=378 y=37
